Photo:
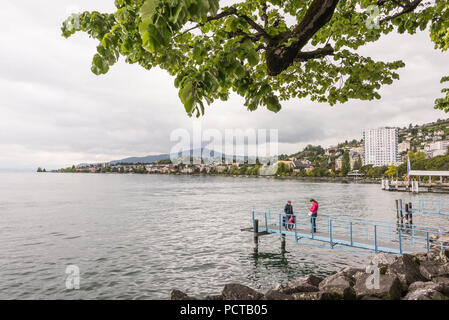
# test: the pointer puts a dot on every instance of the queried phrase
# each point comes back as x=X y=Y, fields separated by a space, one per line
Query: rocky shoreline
x=422 y=276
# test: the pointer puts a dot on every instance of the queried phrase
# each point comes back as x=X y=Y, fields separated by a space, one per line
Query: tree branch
x=250 y=36
x=224 y=13
x=407 y=7
x=255 y=25
x=233 y=11
x=318 y=53
x=317 y=16
x=264 y=14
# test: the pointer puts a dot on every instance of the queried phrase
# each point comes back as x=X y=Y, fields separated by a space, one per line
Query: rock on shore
x=423 y=276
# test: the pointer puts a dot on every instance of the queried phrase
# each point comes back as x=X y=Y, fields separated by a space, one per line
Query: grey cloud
x=54 y=112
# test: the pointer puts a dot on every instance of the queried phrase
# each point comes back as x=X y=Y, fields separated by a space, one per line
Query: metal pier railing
x=431 y=206
x=344 y=231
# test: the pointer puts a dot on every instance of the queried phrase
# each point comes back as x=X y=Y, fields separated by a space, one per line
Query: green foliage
x=318 y=172
x=310 y=152
x=233 y=170
x=416 y=156
x=68 y=170
x=357 y=164
x=392 y=171
x=373 y=172
x=421 y=163
x=443 y=103
x=283 y=169
x=212 y=50
x=106 y=169
x=348 y=144
x=345 y=164
x=254 y=171
x=141 y=170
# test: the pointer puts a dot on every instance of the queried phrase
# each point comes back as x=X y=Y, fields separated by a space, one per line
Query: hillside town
x=381 y=151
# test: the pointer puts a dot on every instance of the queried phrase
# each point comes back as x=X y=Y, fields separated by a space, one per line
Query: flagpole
x=408 y=168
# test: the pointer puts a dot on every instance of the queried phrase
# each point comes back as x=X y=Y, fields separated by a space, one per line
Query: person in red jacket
x=313 y=214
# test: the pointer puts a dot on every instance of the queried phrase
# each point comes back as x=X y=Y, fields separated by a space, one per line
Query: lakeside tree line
x=322 y=167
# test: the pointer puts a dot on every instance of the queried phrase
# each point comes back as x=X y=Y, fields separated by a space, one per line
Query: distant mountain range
x=154 y=158
x=146 y=159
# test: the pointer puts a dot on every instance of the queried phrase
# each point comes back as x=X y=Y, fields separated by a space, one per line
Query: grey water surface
x=140 y=236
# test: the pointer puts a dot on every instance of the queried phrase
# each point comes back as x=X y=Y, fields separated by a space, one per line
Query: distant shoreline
x=280 y=177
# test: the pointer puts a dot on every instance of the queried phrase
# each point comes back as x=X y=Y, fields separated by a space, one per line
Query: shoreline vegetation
x=292 y=168
x=421 y=276
x=289 y=169
x=335 y=179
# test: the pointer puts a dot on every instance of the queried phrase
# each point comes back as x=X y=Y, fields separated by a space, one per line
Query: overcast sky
x=54 y=112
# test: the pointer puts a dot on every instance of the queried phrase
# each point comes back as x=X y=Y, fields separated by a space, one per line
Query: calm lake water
x=140 y=236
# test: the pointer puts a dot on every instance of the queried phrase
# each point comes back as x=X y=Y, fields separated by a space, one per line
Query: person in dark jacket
x=288 y=210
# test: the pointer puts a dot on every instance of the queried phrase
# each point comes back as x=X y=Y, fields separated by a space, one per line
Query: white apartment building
x=439 y=145
x=438 y=148
x=381 y=147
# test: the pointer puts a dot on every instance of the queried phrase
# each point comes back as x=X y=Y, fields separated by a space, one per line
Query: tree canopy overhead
x=264 y=50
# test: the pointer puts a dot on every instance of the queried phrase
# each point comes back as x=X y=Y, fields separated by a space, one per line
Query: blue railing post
x=296 y=229
x=351 y=233
x=375 y=237
x=266 y=222
x=253 y=215
x=428 y=242
x=280 y=223
x=400 y=240
x=330 y=233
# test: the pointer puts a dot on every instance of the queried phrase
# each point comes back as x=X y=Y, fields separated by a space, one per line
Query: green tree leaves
x=443 y=103
x=392 y=171
x=160 y=20
x=345 y=164
x=213 y=51
x=188 y=95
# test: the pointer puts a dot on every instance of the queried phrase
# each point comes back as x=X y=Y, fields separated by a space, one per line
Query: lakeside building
x=288 y=163
x=437 y=148
x=404 y=146
x=440 y=145
x=299 y=165
x=339 y=163
x=380 y=147
x=354 y=157
x=331 y=151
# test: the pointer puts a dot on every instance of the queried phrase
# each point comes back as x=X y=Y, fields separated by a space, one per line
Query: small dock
x=436 y=182
x=414 y=186
x=339 y=232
